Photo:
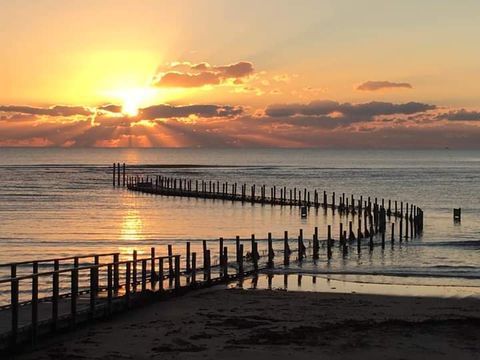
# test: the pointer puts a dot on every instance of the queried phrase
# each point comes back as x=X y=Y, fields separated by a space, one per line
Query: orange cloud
x=381 y=85
x=187 y=75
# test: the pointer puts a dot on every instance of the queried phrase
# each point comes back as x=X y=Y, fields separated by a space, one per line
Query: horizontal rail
x=83 y=267
x=57 y=259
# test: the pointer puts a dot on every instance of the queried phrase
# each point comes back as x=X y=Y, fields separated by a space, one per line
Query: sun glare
x=130 y=107
x=134 y=99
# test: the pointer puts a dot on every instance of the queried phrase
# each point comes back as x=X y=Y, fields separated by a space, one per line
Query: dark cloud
x=57 y=110
x=380 y=85
x=461 y=115
x=110 y=108
x=366 y=110
x=206 y=111
x=188 y=75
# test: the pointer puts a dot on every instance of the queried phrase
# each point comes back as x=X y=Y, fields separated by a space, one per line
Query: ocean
x=60 y=202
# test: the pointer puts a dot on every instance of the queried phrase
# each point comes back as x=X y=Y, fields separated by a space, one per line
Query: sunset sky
x=329 y=74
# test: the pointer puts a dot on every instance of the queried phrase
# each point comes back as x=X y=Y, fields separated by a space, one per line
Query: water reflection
x=132 y=226
x=324 y=284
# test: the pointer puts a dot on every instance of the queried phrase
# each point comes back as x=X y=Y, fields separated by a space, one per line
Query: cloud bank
x=382 y=85
x=322 y=123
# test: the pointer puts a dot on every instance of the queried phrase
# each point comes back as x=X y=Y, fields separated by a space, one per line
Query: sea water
x=61 y=202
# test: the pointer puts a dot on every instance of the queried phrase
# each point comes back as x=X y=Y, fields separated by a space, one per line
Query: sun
x=136 y=98
x=130 y=106
x=133 y=99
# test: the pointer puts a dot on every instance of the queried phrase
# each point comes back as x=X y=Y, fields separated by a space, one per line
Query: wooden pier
x=77 y=289
x=372 y=210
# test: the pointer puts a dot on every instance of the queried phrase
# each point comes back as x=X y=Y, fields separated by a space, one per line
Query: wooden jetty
x=375 y=211
x=77 y=289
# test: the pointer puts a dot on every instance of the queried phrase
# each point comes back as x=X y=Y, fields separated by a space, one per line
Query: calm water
x=59 y=202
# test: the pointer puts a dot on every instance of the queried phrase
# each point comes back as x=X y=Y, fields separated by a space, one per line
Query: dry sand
x=218 y=323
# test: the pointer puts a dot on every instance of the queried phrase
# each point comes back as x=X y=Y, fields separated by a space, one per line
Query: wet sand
x=264 y=324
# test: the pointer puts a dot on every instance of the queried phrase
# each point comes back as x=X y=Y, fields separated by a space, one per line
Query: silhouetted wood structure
x=83 y=288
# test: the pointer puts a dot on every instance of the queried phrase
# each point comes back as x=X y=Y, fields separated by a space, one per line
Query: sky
x=211 y=73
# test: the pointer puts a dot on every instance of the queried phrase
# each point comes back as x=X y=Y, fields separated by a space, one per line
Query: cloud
x=380 y=85
x=57 y=110
x=324 y=124
x=164 y=111
x=187 y=75
x=366 y=110
x=461 y=115
x=111 y=108
x=187 y=80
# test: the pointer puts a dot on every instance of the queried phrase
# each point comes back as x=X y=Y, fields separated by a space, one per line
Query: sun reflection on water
x=132 y=226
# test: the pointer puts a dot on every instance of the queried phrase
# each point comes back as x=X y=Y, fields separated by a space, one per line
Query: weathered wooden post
x=55 y=294
x=188 y=267
x=177 y=272
x=134 y=269
x=152 y=265
x=208 y=273
x=144 y=274
x=160 y=274
x=170 y=262
x=237 y=246
x=194 y=268
x=329 y=242
x=118 y=174
x=34 y=303
x=220 y=249
x=286 y=249
x=225 y=263
x=114 y=176
x=316 y=245
x=116 y=272
x=301 y=247
x=270 y=251
x=204 y=247
x=92 y=293
x=124 y=179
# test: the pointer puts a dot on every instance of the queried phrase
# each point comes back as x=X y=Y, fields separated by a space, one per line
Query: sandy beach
x=270 y=324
